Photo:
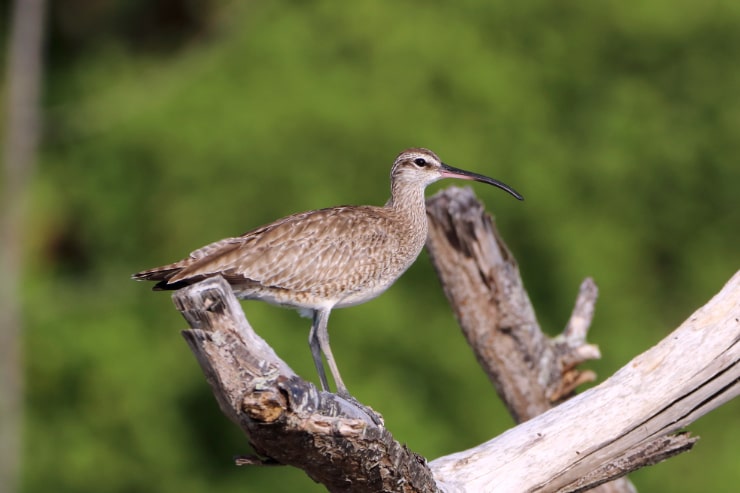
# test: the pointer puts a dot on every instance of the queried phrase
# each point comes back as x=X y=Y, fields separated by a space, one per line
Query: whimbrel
x=329 y=258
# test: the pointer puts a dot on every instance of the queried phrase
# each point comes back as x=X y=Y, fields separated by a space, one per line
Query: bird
x=324 y=259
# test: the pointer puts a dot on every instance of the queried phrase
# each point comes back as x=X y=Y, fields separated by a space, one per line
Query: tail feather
x=161 y=274
x=171 y=286
x=187 y=271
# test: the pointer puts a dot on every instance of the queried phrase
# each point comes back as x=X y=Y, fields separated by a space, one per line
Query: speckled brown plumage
x=329 y=258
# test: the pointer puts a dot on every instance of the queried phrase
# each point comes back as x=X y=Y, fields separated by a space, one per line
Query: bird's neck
x=408 y=202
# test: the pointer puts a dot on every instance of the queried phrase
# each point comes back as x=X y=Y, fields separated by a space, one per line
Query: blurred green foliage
x=172 y=124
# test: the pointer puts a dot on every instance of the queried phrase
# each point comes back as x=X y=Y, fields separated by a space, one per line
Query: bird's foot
x=369 y=411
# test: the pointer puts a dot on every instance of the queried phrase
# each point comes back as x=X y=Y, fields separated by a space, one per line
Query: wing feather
x=304 y=252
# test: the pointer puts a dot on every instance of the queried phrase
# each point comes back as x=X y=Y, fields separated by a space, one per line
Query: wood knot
x=266 y=406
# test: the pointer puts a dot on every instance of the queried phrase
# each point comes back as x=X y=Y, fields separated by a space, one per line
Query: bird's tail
x=162 y=275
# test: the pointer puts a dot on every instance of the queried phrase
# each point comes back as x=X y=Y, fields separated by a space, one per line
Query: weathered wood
x=625 y=423
x=288 y=420
x=692 y=371
x=530 y=371
x=480 y=277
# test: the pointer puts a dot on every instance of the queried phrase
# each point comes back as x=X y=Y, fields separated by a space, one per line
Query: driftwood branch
x=287 y=419
x=627 y=422
x=481 y=279
x=692 y=371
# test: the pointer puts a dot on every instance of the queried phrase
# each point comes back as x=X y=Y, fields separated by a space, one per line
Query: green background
x=170 y=124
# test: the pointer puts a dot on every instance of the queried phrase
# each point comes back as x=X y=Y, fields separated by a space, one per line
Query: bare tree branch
x=480 y=277
x=623 y=424
x=531 y=372
x=287 y=420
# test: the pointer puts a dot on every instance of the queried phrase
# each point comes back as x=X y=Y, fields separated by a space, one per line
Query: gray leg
x=315 y=346
x=320 y=335
x=319 y=342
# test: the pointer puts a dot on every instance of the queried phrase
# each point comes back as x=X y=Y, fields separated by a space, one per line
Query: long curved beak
x=450 y=172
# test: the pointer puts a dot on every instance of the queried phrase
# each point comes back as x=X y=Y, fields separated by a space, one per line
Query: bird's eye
x=420 y=161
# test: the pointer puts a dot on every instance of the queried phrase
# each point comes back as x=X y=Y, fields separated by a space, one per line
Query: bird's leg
x=320 y=335
x=319 y=341
x=314 y=344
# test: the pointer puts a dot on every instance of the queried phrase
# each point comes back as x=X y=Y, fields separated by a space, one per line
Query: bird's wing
x=303 y=252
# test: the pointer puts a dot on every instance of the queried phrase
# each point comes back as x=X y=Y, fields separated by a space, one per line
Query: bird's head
x=418 y=166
